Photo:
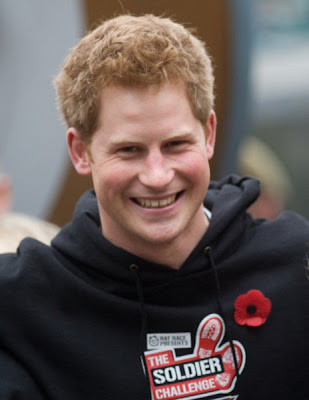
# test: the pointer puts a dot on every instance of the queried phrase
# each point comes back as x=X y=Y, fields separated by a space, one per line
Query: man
x=150 y=292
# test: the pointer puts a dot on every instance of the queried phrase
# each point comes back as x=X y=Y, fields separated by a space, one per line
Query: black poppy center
x=251 y=309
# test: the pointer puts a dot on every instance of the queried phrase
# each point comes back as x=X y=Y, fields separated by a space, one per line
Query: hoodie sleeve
x=15 y=382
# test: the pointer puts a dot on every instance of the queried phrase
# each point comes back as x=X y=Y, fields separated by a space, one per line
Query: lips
x=156 y=203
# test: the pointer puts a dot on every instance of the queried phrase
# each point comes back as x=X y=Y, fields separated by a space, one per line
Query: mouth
x=156 y=203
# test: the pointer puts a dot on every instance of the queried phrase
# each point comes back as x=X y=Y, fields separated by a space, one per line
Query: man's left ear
x=211 y=127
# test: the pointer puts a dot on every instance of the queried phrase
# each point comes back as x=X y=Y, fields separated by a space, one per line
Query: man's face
x=149 y=164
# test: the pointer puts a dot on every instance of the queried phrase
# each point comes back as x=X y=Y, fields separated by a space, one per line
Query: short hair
x=133 y=51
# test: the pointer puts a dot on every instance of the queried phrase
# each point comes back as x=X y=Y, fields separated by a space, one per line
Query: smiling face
x=149 y=164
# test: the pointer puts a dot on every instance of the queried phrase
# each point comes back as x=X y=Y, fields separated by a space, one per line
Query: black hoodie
x=86 y=320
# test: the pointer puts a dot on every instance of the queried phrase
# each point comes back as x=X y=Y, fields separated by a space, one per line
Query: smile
x=155 y=203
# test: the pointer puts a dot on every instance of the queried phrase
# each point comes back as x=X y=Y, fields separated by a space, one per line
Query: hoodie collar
x=83 y=246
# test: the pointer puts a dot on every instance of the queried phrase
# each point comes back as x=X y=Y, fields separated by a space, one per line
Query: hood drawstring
x=142 y=340
x=208 y=252
x=140 y=294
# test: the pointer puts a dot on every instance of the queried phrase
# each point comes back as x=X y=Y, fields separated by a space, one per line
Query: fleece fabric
x=85 y=320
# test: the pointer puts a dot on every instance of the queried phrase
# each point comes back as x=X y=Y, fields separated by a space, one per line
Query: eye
x=128 y=149
x=176 y=143
x=128 y=152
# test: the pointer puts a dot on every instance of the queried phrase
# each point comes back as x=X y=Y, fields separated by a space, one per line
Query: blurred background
x=261 y=59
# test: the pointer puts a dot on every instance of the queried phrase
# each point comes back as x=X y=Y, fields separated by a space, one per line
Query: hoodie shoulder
x=87 y=203
x=246 y=189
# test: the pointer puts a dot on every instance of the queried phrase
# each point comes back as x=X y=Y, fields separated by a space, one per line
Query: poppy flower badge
x=252 y=309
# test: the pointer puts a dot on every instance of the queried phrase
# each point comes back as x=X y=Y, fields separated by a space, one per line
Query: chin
x=161 y=237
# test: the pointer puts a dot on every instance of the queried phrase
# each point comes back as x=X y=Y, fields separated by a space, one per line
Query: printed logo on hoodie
x=167 y=340
x=209 y=370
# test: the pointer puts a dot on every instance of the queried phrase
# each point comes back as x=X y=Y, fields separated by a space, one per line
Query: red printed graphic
x=208 y=371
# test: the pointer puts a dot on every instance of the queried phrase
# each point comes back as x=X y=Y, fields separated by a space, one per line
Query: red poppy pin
x=252 y=309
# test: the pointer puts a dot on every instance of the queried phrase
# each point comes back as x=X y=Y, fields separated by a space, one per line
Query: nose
x=156 y=170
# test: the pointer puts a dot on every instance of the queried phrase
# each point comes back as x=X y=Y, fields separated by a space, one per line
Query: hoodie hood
x=79 y=240
x=228 y=201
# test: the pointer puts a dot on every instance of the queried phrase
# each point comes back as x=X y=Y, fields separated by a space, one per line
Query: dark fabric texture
x=71 y=316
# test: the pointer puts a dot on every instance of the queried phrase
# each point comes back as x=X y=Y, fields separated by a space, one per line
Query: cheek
x=111 y=179
x=197 y=168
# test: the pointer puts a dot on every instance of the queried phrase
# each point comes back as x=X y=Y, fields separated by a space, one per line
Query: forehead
x=129 y=95
x=149 y=105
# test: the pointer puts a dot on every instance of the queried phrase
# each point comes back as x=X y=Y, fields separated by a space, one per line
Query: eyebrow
x=180 y=135
x=123 y=142
x=128 y=142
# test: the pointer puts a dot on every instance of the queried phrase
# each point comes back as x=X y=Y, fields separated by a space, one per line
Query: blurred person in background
x=15 y=226
x=5 y=193
x=257 y=159
x=162 y=286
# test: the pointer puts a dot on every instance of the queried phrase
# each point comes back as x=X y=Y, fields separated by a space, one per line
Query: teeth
x=147 y=203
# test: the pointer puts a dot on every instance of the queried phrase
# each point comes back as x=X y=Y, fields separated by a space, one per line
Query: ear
x=78 y=152
x=5 y=194
x=211 y=127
